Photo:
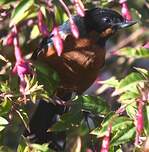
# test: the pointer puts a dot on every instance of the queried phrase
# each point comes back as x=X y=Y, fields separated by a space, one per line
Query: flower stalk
x=21 y=66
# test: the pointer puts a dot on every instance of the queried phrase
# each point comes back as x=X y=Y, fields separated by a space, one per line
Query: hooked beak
x=124 y=24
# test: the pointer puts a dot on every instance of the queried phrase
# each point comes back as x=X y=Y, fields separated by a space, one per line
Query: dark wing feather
x=64 y=31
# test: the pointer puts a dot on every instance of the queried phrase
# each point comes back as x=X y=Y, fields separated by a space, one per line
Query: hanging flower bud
x=30 y=22
x=79 y=7
x=9 y=39
x=21 y=66
x=106 y=140
x=80 y=10
x=58 y=43
x=42 y=27
x=139 y=121
x=125 y=10
x=146 y=45
x=74 y=29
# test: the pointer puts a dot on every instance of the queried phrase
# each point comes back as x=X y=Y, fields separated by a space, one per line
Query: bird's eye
x=106 y=20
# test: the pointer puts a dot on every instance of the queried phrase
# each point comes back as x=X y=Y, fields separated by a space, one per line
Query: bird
x=79 y=64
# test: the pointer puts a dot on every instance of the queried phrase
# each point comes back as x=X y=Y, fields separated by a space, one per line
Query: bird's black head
x=105 y=21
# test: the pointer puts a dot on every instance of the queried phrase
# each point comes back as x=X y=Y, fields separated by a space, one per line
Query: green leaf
x=34 y=90
x=131 y=109
x=100 y=132
x=35 y=32
x=5 y=107
x=43 y=10
x=119 y=150
x=69 y=120
x=112 y=82
x=41 y=148
x=127 y=133
x=60 y=15
x=123 y=129
x=47 y=77
x=135 y=14
x=134 y=52
x=3 y=58
x=6 y=1
x=129 y=83
x=118 y=124
x=143 y=72
x=4 y=87
x=3 y=123
x=23 y=9
x=96 y=105
x=22 y=145
x=128 y=96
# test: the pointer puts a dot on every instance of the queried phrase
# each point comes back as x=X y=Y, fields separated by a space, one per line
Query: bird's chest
x=86 y=55
x=79 y=64
x=83 y=63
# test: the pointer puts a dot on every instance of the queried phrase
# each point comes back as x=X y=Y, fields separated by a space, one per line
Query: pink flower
x=106 y=140
x=30 y=22
x=79 y=7
x=42 y=27
x=21 y=67
x=139 y=121
x=146 y=45
x=125 y=10
x=74 y=29
x=80 y=10
x=58 y=43
x=9 y=39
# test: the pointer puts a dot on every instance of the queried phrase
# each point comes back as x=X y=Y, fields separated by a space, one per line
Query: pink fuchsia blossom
x=139 y=121
x=125 y=10
x=74 y=29
x=42 y=27
x=106 y=140
x=30 y=22
x=21 y=67
x=9 y=39
x=146 y=45
x=58 y=43
x=79 y=7
x=80 y=10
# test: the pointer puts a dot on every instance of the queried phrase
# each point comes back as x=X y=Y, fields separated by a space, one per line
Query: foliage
x=128 y=84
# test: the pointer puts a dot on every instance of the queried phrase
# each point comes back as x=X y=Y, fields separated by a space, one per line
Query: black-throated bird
x=78 y=66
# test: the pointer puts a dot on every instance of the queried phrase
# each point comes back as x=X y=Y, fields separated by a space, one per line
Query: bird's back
x=79 y=64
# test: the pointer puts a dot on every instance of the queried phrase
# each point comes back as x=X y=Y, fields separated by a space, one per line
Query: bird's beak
x=124 y=24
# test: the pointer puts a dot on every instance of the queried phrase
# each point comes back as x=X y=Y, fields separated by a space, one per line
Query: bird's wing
x=46 y=46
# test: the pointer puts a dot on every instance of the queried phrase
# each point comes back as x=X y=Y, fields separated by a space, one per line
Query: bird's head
x=105 y=21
